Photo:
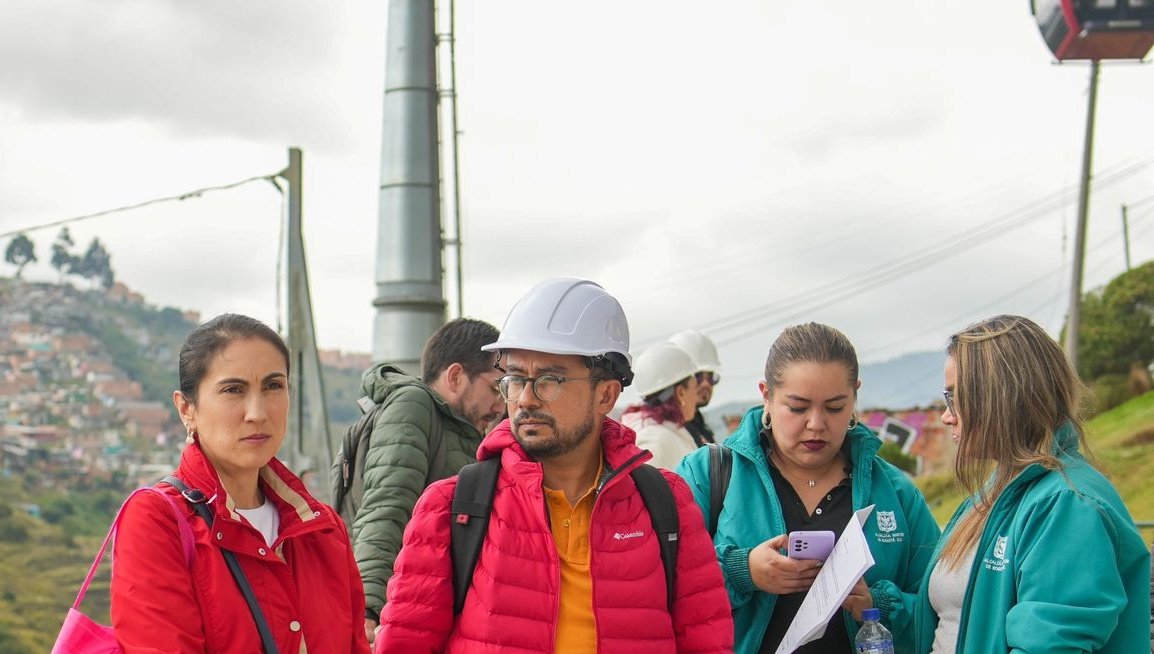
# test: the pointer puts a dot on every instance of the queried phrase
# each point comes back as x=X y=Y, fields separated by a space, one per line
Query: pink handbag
x=82 y=635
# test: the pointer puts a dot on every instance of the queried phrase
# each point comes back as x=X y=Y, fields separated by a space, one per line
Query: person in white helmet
x=570 y=560
x=704 y=354
x=666 y=381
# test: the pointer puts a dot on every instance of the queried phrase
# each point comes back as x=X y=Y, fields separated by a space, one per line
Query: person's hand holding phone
x=774 y=573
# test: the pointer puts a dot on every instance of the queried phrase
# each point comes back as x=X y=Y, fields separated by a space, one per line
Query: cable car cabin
x=1096 y=29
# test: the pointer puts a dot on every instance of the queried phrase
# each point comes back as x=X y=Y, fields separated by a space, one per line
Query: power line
x=828 y=294
x=1050 y=300
x=172 y=198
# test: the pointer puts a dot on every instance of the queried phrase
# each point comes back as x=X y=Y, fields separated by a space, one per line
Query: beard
x=562 y=442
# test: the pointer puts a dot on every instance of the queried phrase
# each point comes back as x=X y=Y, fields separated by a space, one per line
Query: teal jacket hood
x=901 y=531
x=1059 y=567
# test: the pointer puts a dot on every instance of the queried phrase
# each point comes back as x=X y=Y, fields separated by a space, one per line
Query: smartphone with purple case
x=815 y=545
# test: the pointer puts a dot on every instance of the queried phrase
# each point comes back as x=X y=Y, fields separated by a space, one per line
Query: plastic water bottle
x=873 y=638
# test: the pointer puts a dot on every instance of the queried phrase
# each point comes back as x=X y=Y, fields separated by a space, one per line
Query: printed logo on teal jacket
x=887 y=532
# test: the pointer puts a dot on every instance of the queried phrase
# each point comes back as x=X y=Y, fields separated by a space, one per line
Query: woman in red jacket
x=293 y=550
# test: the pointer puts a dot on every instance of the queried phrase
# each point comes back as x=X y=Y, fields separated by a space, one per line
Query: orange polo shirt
x=576 y=628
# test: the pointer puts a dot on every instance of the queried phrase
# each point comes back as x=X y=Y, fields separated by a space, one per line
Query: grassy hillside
x=1121 y=439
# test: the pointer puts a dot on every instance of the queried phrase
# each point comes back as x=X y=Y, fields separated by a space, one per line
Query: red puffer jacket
x=513 y=602
x=307 y=584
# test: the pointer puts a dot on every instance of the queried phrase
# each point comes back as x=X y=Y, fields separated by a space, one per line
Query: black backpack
x=347 y=476
x=473 y=501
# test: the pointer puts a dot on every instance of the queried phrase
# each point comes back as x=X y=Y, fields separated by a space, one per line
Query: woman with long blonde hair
x=1043 y=556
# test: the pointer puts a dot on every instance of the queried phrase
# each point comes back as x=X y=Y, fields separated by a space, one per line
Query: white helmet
x=698 y=345
x=566 y=315
x=660 y=367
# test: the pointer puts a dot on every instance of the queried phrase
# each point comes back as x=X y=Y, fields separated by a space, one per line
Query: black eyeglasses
x=706 y=376
x=545 y=387
x=949 y=395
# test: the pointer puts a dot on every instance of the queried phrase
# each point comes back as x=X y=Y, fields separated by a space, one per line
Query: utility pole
x=1126 y=237
x=410 y=298
x=307 y=446
x=448 y=37
x=1074 y=318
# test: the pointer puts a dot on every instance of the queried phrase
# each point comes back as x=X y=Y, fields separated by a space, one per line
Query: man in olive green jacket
x=456 y=395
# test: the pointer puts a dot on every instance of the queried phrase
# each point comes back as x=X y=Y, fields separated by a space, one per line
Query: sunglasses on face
x=949 y=396
x=706 y=376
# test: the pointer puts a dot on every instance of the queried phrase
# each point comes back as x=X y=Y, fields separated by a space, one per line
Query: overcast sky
x=733 y=166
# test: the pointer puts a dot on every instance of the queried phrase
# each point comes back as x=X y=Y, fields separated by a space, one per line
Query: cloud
x=248 y=69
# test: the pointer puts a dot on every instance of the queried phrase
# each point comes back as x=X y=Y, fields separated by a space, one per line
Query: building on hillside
x=145 y=419
x=119 y=390
x=342 y=360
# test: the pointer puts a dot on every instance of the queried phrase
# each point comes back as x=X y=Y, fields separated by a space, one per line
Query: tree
x=1117 y=327
x=95 y=265
x=62 y=258
x=21 y=251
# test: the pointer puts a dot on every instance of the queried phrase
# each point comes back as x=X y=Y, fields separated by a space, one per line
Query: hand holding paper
x=849 y=560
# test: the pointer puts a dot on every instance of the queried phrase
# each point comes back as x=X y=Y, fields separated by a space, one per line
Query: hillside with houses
x=86 y=379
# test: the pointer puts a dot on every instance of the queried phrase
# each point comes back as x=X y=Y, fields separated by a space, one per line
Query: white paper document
x=848 y=561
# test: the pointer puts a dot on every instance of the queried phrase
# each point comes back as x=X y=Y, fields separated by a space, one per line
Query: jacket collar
x=382 y=379
x=618 y=446
x=280 y=486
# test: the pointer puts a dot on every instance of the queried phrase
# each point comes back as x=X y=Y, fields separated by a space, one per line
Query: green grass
x=1122 y=443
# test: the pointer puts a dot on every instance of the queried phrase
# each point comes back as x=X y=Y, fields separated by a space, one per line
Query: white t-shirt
x=947 y=591
x=668 y=442
x=264 y=519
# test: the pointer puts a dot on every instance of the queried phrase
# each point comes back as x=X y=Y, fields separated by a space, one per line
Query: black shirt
x=831 y=514
x=700 y=431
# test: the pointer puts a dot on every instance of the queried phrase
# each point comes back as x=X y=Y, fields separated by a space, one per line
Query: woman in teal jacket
x=1043 y=556
x=801 y=462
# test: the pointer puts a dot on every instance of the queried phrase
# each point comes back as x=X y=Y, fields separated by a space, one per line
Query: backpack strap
x=472 y=504
x=662 y=508
x=720 y=469
x=198 y=501
x=344 y=466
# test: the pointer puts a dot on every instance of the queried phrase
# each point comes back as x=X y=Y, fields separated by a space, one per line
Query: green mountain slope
x=1122 y=441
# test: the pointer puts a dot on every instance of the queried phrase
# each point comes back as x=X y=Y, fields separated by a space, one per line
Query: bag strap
x=186 y=540
x=662 y=508
x=198 y=501
x=720 y=469
x=472 y=504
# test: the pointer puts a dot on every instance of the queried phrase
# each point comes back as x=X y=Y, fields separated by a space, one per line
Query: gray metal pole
x=1126 y=237
x=410 y=296
x=1075 y=315
x=456 y=159
x=308 y=446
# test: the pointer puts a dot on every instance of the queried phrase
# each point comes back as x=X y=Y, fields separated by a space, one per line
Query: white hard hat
x=660 y=367
x=698 y=345
x=565 y=315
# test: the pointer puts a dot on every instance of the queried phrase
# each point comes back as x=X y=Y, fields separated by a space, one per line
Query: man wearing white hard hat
x=704 y=354
x=666 y=381
x=571 y=560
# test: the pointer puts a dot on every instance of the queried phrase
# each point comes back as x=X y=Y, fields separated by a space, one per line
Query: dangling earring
x=765 y=421
x=190 y=434
x=852 y=423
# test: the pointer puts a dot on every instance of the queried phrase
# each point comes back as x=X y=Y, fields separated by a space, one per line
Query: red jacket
x=513 y=602
x=307 y=583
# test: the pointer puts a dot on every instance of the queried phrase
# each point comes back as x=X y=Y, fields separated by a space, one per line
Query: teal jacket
x=1060 y=568
x=901 y=532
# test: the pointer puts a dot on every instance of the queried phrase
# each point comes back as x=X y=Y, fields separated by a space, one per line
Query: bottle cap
x=871 y=614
